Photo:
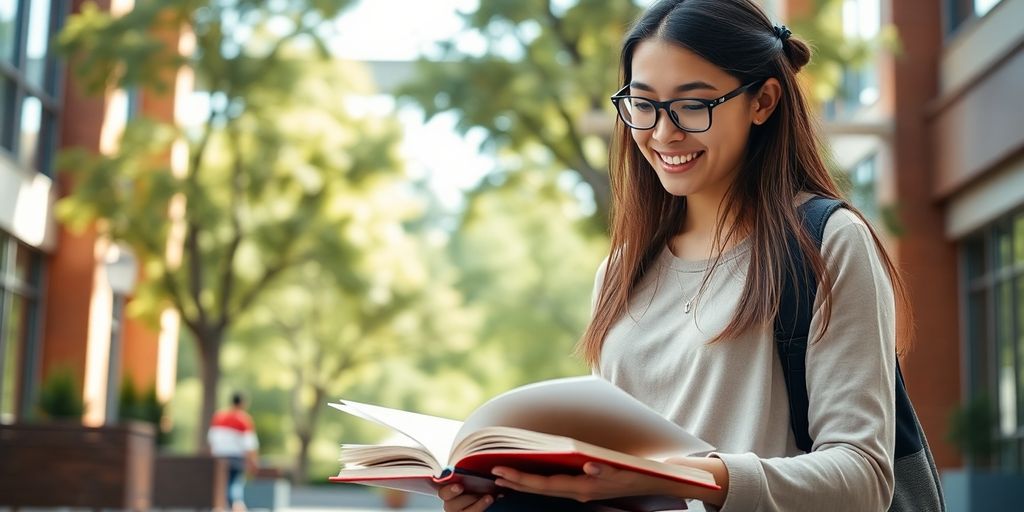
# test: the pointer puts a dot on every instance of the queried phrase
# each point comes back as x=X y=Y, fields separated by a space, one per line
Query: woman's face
x=690 y=164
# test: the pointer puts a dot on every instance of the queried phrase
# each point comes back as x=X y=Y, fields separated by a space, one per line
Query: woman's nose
x=665 y=130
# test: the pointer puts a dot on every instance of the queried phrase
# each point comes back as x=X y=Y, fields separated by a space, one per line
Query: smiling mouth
x=680 y=162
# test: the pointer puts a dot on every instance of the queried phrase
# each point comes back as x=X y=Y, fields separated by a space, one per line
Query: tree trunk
x=209 y=363
x=302 y=462
x=306 y=436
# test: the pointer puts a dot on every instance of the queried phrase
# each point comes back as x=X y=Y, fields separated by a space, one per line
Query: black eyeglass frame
x=666 y=105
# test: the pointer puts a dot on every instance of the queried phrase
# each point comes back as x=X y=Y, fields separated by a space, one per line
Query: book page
x=359 y=457
x=434 y=434
x=588 y=409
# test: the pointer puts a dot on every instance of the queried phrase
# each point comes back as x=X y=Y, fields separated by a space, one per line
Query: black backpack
x=917 y=485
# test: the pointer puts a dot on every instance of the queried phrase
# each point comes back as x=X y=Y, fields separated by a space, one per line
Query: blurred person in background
x=232 y=436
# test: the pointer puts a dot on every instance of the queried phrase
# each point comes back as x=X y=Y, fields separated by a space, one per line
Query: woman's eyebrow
x=687 y=87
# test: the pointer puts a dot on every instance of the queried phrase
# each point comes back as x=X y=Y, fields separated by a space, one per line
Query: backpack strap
x=917 y=480
x=795 y=311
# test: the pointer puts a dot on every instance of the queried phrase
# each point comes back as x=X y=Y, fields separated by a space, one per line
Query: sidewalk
x=353 y=499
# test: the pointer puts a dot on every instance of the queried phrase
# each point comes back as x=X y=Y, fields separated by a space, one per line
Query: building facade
x=974 y=125
x=932 y=134
x=58 y=313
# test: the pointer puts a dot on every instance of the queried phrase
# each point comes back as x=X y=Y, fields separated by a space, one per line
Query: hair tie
x=782 y=32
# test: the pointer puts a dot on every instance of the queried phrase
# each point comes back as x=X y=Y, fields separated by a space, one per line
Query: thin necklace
x=688 y=305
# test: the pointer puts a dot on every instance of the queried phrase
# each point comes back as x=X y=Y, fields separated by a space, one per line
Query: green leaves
x=268 y=177
x=120 y=51
x=129 y=191
x=545 y=71
x=833 y=51
x=60 y=397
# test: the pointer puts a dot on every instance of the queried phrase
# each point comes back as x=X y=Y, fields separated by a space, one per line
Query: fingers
x=448 y=492
x=468 y=503
x=594 y=469
x=455 y=501
x=594 y=481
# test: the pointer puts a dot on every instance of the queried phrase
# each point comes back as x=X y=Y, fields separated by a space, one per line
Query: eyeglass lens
x=642 y=114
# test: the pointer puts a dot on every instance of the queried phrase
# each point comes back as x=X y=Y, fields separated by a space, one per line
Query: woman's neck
x=696 y=241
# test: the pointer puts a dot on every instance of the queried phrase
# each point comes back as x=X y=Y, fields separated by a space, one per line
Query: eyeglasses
x=688 y=114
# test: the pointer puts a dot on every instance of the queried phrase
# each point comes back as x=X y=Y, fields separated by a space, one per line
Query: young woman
x=714 y=152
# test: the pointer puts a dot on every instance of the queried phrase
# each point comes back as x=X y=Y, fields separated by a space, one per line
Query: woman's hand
x=598 y=482
x=456 y=501
x=601 y=481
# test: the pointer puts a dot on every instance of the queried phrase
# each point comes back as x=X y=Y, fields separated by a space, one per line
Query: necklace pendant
x=686 y=307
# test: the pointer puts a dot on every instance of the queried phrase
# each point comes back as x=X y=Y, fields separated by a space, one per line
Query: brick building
x=57 y=309
x=933 y=138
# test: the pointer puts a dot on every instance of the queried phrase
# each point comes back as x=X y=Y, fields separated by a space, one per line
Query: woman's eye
x=642 y=106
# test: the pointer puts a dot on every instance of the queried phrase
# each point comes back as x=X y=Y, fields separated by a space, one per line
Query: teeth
x=677 y=159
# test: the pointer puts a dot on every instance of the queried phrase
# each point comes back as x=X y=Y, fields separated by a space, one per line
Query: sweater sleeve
x=850 y=387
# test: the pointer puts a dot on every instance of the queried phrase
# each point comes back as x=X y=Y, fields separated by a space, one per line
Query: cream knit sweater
x=732 y=393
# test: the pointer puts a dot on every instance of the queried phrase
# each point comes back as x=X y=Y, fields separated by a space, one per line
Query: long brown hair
x=783 y=158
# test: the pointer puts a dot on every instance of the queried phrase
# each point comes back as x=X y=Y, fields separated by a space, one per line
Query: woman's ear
x=765 y=100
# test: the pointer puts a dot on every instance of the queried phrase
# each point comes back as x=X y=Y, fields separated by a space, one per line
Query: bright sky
x=403 y=30
x=398 y=29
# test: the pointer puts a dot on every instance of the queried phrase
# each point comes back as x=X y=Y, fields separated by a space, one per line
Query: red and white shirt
x=232 y=434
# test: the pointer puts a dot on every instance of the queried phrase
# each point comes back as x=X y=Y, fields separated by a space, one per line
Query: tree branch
x=192 y=228
x=258 y=288
x=179 y=302
x=228 y=268
x=195 y=270
x=558 y=28
x=599 y=182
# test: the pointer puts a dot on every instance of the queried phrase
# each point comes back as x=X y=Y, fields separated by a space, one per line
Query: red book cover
x=550 y=427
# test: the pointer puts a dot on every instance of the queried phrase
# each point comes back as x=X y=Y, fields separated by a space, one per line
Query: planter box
x=192 y=482
x=70 y=465
x=973 y=490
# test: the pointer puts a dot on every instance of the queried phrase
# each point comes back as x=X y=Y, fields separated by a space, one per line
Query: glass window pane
x=1006 y=358
x=31 y=120
x=1018 y=239
x=974 y=258
x=8 y=29
x=1003 y=244
x=47 y=145
x=863 y=178
x=3 y=255
x=979 y=343
x=982 y=7
x=38 y=43
x=22 y=264
x=13 y=330
x=1020 y=351
x=6 y=114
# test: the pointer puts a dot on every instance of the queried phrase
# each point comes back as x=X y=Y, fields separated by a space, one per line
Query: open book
x=549 y=427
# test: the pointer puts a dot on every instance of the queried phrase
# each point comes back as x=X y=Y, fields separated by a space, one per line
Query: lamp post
x=122 y=268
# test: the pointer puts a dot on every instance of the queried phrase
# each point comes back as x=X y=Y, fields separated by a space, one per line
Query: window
x=960 y=11
x=863 y=176
x=858 y=86
x=8 y=26
x=993 y=275
x=28 y=81
x=18 y=300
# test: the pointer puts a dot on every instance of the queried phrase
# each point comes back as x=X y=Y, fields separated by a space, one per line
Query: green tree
x=544 y=79
x=269 y=172
x=316 y=342
x=545 y=73
x=324 y=338
x=527 y=262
